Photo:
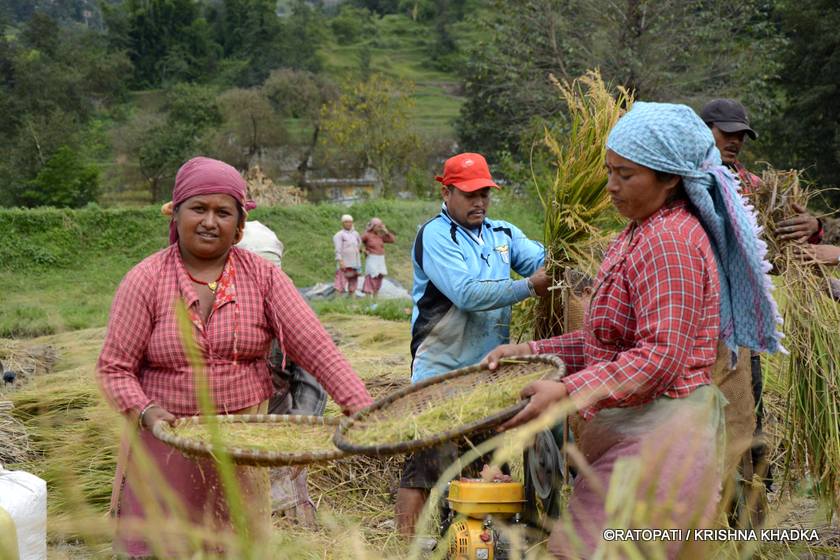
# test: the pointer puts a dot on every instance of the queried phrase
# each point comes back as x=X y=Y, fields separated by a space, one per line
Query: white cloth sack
x=24 y=496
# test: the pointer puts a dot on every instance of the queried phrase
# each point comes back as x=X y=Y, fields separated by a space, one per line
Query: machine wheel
x=544 y=467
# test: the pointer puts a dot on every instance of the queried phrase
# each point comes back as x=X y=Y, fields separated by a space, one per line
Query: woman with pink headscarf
x=237 y=303
x=374 y=239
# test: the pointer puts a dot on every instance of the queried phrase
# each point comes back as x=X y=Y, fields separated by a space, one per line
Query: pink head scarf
x=373 y=223
x=202 y=175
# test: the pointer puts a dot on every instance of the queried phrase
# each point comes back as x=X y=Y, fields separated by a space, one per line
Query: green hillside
x=399 y=49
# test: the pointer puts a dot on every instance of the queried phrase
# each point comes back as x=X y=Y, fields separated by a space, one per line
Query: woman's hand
x=818 y=254
x=156 y=414
x=542 y=395
x=491 y=360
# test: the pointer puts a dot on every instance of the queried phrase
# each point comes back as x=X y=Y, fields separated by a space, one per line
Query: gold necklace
x=212 y=286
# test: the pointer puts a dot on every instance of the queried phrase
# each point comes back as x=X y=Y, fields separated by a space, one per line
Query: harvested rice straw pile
x=74 y=435
x=464 y=407
x=361 y=487
x=25 y=360
x=575 y=198
x=14 y=440
x=811 y=326
x=279 y=437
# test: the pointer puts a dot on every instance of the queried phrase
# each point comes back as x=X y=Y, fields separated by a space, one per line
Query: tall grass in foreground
x=574 y=197
x=75 y=435
x=811 y=327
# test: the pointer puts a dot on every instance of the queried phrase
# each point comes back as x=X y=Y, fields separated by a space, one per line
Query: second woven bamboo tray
x=244 y=455
x=414 y=400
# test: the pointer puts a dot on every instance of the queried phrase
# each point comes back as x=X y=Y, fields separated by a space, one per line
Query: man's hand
x=798 y=228
x=543 y=394
x=817 y=254
x=541 y=282
x=341 y=263
x=491 y=360
x=157 y=414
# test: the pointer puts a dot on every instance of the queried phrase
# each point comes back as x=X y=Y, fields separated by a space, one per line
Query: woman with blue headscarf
x=687 y=271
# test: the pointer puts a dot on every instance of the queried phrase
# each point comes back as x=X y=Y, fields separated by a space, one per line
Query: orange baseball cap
x=466 y=172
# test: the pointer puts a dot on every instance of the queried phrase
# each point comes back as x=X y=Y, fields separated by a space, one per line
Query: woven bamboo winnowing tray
x=413 y=400
x=244 y=455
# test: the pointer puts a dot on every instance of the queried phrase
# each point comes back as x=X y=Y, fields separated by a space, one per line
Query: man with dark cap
x=730 y=126
x=463 y=292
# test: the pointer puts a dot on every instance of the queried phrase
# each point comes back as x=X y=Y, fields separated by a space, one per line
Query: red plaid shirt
x=143 y=361
x=653 y=322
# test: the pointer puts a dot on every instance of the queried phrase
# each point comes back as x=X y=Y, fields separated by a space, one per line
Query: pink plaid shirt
x=143 y=361
x=653 y=322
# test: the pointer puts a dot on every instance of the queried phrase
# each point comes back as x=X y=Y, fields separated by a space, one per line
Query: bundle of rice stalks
x=773 y=201
x=811 y=324
x=15 y=446
x=74 y=436
x=263 y=191
x=575 y=198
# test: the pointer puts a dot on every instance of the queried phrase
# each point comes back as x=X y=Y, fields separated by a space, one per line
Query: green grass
x=60 y=268
x=388 y=309
x=400 y=51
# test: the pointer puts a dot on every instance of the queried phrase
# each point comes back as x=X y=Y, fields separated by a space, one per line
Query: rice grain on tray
x=463 y=406
x=268 y=437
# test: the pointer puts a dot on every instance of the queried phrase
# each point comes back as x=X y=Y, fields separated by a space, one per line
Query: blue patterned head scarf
x=672 y=138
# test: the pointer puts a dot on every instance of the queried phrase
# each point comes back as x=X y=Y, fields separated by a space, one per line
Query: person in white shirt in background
x=296 y=392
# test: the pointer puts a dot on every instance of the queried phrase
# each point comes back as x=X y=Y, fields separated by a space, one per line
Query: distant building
x=341 y=190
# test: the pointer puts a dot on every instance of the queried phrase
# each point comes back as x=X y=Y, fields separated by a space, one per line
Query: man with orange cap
x=462 y=294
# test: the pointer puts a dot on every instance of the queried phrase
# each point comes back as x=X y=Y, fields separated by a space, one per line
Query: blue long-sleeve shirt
x=463 y=291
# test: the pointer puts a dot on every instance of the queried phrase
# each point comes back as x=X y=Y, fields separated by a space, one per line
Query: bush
x=64 y=182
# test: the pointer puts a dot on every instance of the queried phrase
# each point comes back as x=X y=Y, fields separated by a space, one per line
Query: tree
x=167 y=40
x=300 y=95
x=250 y=125
x=303 y=33
x=53 y=79
x=369 y=124
x=256 y=41
x=807 y=131
x=249 y=30
x=165 y=143
x=63 y=181
x=381 y=7
x=673 y=50
x=41 y=33
x=352 y=24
